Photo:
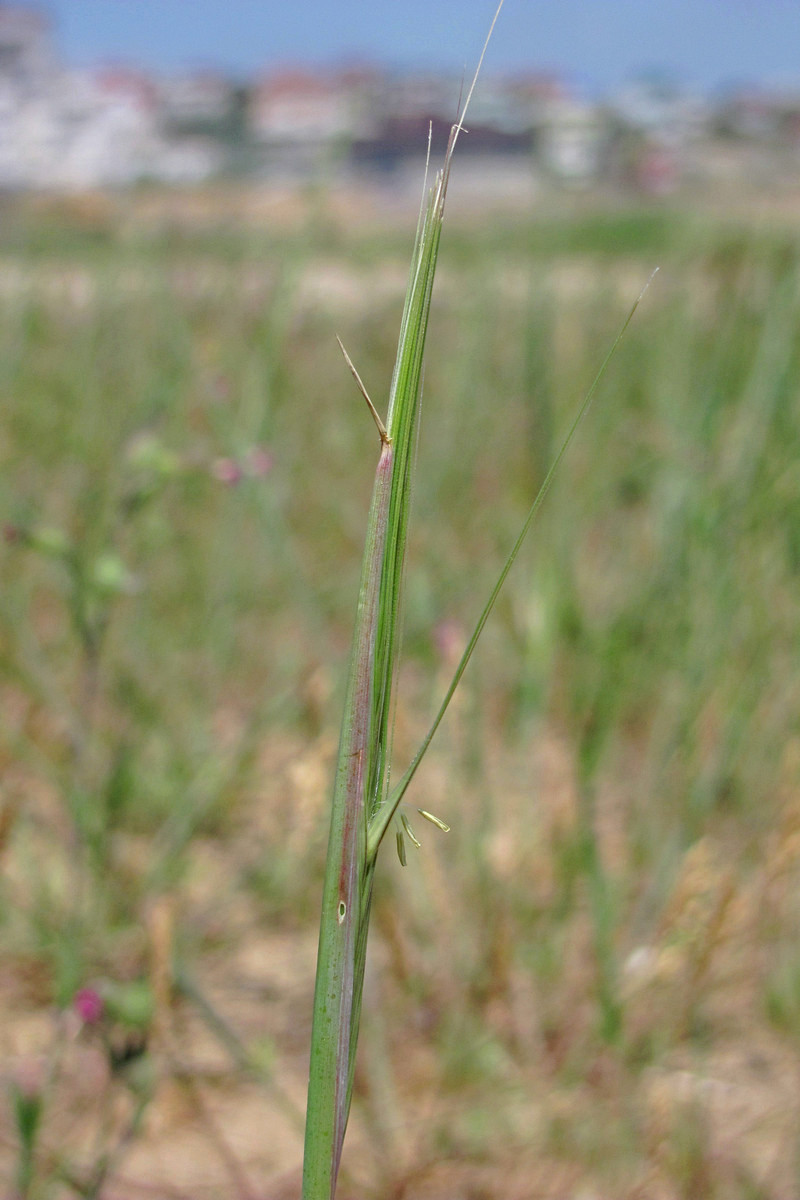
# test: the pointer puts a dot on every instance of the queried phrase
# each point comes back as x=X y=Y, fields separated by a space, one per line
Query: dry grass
x=621 y=773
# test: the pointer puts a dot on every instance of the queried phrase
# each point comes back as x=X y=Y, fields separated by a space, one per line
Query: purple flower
x=88 y=1004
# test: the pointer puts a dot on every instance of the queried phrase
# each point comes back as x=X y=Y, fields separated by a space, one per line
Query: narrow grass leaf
x=365 y=740
x=383 y=817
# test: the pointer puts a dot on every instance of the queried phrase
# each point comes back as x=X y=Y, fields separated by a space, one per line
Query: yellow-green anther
x=401 y=848
x=434 y=820
x=409 y=830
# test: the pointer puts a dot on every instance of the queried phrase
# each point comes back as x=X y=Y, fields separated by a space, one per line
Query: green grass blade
x=383 y=817
x=365 y=740
x=362 y=765
x=332 y=1047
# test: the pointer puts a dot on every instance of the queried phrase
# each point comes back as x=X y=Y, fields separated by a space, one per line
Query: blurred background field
x=591 y=986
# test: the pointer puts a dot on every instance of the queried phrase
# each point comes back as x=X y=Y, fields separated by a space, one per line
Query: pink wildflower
x=227 y=471
x=88 y=1004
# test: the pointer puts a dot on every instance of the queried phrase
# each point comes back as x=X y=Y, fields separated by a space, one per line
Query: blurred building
x=115 y=126
x=102 y=127
x=26 y=48
x=303 y=121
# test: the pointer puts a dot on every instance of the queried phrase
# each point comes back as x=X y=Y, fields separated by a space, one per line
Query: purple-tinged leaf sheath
x=346 y=888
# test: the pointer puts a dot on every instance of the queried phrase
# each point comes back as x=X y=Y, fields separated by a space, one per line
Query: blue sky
x=595 y=43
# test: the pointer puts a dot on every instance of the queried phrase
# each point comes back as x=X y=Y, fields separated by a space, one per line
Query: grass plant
x=645 y=646
x=364 y=806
